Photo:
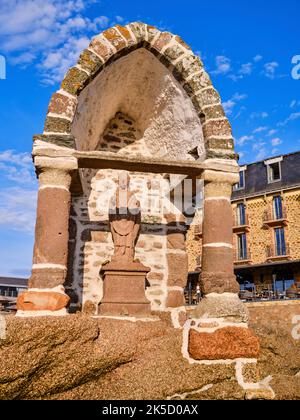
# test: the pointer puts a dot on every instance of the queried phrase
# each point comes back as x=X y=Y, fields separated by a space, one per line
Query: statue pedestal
x=124 y=289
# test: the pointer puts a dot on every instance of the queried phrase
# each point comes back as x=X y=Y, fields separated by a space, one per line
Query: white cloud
x=242 y=140
x=223 y=65
x=260 y=148
x=276 y=142
x=246 y=69
x=18 y=209
x=270 y=70
x=120 y=19
x=272 y=132
x=231 y=103
x=260 y=130
x=293 y=117
x=17 y=203
x=262 y=115
x=51 y=33
x=17 y=167
x=294 y=103
x=257 y=58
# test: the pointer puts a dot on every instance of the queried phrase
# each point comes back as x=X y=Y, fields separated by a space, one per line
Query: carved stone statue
x=125 y=221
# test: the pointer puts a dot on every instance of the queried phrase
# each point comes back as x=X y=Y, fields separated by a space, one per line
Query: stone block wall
x=292 y=204
x=161 y=244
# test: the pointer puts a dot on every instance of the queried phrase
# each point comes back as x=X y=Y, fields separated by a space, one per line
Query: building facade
x=266 y=226
x=10 y=289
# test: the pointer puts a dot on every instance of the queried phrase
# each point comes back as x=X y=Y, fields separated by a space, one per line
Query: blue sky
x=247 y=47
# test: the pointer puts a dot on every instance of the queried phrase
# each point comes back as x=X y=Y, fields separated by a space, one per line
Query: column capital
x=55 y=172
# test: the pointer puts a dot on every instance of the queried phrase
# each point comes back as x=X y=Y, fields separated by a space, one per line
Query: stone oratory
x=138 y=101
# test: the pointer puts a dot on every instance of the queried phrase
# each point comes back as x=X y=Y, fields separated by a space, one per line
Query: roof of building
x=13 y=282
x=256 y=176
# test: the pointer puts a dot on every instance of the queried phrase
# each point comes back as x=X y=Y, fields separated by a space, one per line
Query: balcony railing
x=241 y=225
x=241 y=221
x=271 y=219
x=277 y=252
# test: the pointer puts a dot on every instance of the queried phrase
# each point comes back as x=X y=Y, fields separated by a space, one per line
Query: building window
x=277 y=208
x=241 y=214
x=241 y=185
x=242 y=247
x=280 y=245
x=274 y=172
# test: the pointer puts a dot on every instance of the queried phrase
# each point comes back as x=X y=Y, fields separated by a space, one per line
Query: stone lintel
x=45 y=149
x=219 y=170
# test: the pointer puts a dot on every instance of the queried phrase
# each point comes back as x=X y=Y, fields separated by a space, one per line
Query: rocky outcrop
x=78 y=357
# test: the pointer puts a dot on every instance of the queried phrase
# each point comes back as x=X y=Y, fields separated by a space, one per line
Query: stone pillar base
x=39 y=302
x=124 y=290
x=220 y=330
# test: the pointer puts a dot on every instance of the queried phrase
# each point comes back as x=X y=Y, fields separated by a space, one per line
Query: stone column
x=221 y=320
x=217 y=245
x=46 y=294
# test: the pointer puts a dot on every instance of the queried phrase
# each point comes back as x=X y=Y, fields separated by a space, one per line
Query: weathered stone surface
x=207 y=97
x=90 y=61
x=220 y=143
x=176 y=241
x=124 y=289
x=63 y=140
x=77 y=357
x=42 y=301
x=214 y=111
x=217 y=128
x=182 y=43
x=197 y=82
x=115 y=38
x=224 y=344
x=126 y=34
x=151 y=32
x=178 y=269
x=101 y=237
x=218 y=282
x=75 y=81
x=175 y=299
x=218 y=154
x=217 y=227
x=50 y=278
x=227 y=306
x=139 y=31
x=62 y=105
x=89 y=308
x=51 y=233
x=57 y=125
x=155 y=276
x=187 y=67
x=173 y=53
x=101 y=48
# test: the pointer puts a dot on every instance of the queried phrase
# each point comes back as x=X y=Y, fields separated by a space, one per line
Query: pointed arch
x=170 y=50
